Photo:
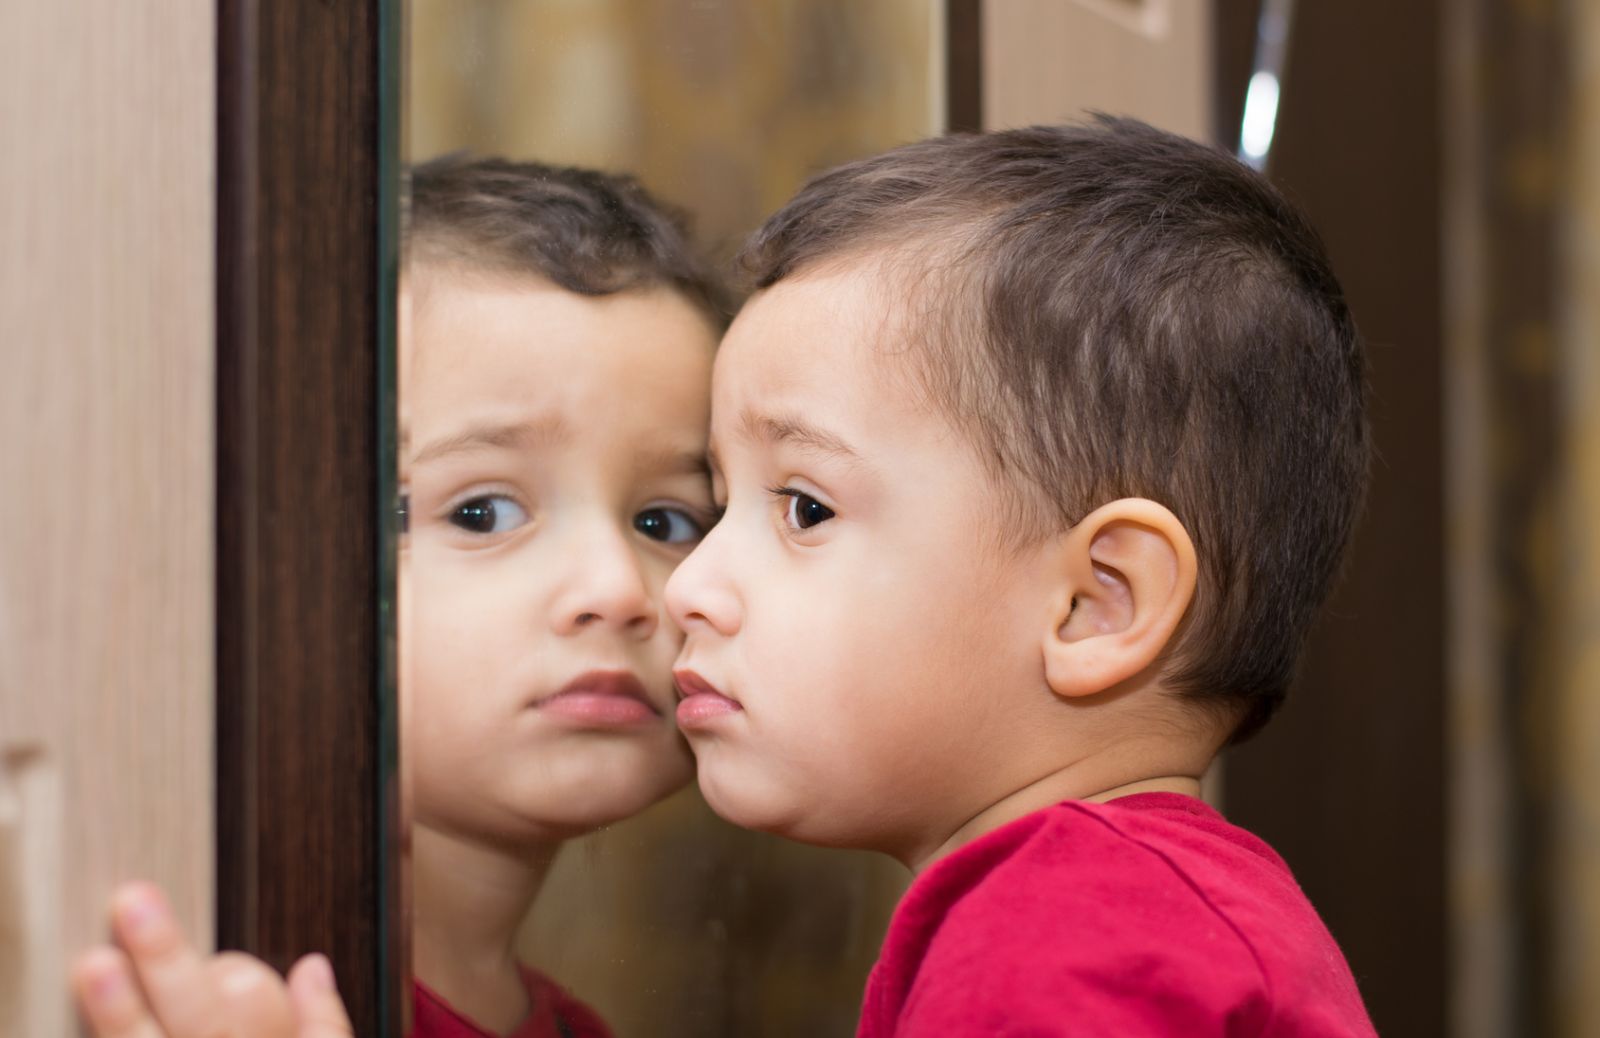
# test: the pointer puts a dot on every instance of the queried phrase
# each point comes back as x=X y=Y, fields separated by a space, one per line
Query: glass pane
x=669 y=922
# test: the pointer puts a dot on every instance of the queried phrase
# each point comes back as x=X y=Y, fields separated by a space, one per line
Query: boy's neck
x=468 y=902
x=1148 y=766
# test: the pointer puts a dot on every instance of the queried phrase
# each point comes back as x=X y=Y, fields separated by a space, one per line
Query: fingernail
x=143 y=912
x=107 y=983
x=320 y=972
x=109 y=986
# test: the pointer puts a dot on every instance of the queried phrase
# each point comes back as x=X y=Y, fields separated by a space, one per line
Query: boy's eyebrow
x=547 y=430
x=782 y=428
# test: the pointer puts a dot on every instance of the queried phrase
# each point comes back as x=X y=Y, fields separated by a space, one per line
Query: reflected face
x=851 y=626
x=553 y=461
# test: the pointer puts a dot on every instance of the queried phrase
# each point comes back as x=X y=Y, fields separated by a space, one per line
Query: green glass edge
x=391 y=939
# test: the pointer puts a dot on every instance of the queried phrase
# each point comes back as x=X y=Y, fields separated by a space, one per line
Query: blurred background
x=1434 y=782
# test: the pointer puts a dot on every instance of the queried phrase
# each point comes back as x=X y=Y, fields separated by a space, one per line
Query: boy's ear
x=1130 y=573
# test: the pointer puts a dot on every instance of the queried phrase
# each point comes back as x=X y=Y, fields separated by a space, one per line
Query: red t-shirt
x=1149 y=915
x=555 y=1014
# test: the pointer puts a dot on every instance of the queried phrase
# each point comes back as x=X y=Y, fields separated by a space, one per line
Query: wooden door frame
x=307 y=121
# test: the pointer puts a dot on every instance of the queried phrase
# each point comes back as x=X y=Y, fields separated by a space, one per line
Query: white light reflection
x=1260 y=119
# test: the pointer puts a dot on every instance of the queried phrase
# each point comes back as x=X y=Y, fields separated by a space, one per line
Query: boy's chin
x=575 y=812
x=773 y=811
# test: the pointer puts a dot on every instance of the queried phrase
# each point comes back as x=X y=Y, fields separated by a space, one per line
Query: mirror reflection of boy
x=1040 y=451
x=555 y=352
x=554 y=394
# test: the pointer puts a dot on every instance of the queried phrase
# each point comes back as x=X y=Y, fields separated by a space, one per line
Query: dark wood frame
x=305 y=297
x=963 y=66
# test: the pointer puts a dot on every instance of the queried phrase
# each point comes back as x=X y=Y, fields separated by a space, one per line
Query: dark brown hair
x=589 y=232
x=1114 y=311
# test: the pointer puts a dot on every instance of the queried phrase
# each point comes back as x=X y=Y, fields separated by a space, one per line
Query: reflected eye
x=492 y=513
x=805 y=511
x=668 y=525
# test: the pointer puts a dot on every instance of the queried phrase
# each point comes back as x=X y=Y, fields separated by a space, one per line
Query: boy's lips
x=699 y=701
x=605 y=698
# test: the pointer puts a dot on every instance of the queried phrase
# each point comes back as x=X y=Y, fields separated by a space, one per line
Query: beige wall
x=106 y=483
x=1048 y=61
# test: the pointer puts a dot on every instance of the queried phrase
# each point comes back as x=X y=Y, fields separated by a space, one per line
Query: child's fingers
x=318 y=1011
x=249 y=998
x=173 y=975
x=102 y=981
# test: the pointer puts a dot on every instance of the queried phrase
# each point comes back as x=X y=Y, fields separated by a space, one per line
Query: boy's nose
x=696 y=598
x=608 y=591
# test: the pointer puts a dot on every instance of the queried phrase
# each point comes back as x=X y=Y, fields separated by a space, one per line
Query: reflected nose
x=606 y=589
x=698 y=595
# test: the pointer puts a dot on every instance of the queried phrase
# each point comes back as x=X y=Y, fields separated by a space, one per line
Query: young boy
x=555 y=357
x=1040 y=451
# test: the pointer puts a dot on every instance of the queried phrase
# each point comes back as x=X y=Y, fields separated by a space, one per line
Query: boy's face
x=553 y=461
x=882 y=650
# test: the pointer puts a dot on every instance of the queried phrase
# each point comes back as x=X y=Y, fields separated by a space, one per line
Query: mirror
x=595 y=863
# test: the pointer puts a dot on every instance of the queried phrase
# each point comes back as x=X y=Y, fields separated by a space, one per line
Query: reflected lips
x=699 y=702
x=601 y=698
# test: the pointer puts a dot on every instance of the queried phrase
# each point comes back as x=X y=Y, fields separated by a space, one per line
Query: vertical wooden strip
x=1486 y=982
x=1511 y=659
x=304 y=737
x=963 y=63
x=1233 y=46
x=1576 y=384
x=1525 y=476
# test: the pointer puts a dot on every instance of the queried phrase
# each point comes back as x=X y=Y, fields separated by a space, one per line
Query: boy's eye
x=668 y=525
x=492 y=513
x=805 y=511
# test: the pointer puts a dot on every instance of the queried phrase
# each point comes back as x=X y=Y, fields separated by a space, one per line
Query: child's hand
x=157 y=986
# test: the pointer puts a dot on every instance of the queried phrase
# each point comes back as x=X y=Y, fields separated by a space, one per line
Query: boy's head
x=556 y=344
x=1118 y=371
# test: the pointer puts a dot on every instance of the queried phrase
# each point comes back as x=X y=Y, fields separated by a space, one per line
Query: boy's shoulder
x=1150 y=914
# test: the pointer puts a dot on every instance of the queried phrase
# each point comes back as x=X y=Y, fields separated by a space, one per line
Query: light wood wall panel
x=1050 y=61
x=107 y=145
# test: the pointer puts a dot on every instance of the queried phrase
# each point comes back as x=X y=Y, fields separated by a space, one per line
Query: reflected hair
x=589 y=232
x=1110 y=311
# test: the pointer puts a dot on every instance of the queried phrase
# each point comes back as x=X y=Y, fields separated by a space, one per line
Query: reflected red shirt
x=1149 y=915
x=555 y=1014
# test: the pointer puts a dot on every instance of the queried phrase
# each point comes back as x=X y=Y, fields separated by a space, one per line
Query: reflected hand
x=156 y=985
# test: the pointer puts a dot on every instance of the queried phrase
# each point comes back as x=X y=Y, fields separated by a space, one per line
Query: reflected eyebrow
x=543 y=431
x=780 y=428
